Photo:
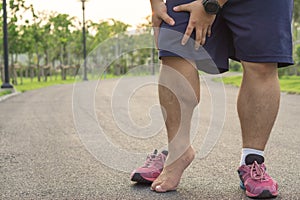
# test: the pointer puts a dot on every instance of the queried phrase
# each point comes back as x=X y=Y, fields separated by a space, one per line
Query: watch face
x=212 y=7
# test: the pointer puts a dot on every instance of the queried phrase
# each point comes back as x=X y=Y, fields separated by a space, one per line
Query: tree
x=16 y=8
x=50 y=37
x=61 y=26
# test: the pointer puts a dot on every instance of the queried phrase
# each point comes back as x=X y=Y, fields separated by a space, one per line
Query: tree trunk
x=12 y=70
x=1 y=71
x=15 y=75
x=31 y=73
x=26 y=72
x=38 y=67
x=21 y=74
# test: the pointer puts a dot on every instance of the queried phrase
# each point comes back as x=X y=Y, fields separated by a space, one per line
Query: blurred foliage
x=52 y=44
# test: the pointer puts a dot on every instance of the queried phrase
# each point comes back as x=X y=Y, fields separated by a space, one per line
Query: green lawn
x=29 y=84
x=289 y=84
x=5 y=92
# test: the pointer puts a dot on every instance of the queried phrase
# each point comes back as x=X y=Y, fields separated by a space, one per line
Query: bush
x=235 y=66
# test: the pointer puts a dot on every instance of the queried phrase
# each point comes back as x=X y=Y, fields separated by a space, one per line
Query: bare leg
x=179 y=93
x=258 y=103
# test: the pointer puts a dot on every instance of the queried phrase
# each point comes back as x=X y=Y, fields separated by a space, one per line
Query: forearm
x=156 y=1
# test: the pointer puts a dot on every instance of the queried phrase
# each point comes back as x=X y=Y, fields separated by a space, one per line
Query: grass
x=33 y=84
x=289 y=84
x=5 y=92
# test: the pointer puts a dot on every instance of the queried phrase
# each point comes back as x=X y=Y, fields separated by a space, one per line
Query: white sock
x=247 y=151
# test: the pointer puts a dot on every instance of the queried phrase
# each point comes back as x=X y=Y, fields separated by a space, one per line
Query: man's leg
x=179 y=93
x=258 y=103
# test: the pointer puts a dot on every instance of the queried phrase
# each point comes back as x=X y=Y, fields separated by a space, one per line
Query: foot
x=169 y=178
x=151 y=168
x=255 y=180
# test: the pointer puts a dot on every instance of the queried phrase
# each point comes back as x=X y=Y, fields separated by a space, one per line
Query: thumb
x=183 y=7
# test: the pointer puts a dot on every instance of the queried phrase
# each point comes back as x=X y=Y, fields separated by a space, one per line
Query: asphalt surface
x=49 y=148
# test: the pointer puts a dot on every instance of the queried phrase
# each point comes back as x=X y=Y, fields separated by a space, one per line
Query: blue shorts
x=248 y=30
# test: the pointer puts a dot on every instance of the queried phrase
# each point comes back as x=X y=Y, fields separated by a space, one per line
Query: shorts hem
x=283 y=61
x=205 y=64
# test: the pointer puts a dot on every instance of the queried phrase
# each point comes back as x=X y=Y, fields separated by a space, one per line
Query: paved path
x=43 y=157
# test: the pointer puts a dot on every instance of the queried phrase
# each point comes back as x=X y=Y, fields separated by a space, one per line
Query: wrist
x=211 y=7
x=221 y=2
x=155 y=2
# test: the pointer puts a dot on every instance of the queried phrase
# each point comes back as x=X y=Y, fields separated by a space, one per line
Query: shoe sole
x=266 y=194
x=137 y=177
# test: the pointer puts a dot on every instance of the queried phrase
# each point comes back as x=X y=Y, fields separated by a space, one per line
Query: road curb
x=5 y=97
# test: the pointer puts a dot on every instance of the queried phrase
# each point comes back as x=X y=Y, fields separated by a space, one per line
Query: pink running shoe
x=255 y=180
x=151 y=168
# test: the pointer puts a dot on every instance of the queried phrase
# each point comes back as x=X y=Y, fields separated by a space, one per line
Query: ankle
x=247 y=151
x=186 y=156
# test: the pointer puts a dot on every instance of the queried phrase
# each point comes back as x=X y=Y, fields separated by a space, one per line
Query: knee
x=186 y=97
x=190 y=100
x=262 y=71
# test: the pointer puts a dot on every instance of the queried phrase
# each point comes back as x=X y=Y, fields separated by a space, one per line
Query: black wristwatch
x=211 y=6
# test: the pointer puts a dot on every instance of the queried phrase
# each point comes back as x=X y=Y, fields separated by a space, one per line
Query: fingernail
x=175 y=8
x=172 y=22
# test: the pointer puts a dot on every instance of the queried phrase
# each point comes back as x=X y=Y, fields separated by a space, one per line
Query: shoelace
x=257 y=172
x=152 y=157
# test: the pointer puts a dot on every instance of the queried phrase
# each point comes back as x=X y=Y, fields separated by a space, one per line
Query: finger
x=203 y=39
x=156 y=21
x=187 y=34
x=198 y=38
x=166 y=18
x=183 y=7
x=156 y=33
x=209 y=31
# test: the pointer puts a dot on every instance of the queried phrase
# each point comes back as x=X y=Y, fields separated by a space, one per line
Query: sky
x=132 y=12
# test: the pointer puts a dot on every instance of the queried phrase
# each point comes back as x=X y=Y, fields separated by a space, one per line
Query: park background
x=42 y=154
x=46 y=48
